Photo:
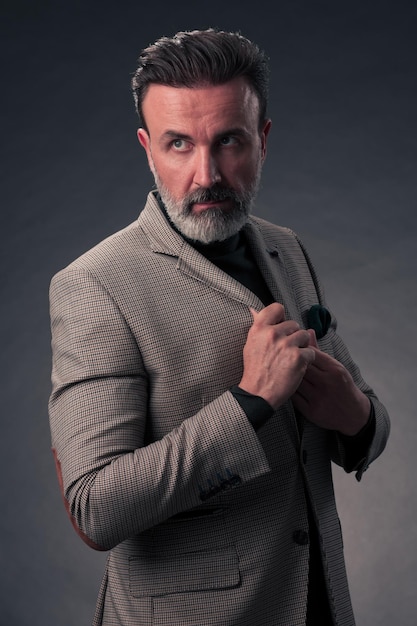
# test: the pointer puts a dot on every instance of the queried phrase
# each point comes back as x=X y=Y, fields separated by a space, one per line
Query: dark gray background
x=341 y=171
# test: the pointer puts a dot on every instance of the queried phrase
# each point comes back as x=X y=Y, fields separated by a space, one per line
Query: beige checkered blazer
x=205 y=520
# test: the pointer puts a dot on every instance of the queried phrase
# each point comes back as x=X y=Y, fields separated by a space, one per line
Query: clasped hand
x=282 y=361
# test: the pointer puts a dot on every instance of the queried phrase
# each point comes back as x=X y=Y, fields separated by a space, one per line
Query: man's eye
x=180 y=145
x=227 y=140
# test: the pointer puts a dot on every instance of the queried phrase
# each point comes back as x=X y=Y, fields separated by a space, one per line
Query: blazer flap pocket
x=184 y=572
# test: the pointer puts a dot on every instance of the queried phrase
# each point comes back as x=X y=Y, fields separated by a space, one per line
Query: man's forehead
x=237 y=91
x=234 y=100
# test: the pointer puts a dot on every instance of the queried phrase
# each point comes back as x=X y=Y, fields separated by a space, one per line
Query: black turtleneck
x=234 y=257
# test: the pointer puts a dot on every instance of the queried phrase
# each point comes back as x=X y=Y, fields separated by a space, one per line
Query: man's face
x=206 y=150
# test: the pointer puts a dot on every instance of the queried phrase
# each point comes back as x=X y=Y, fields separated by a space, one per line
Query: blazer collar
x=265 y=247
x=159 y=232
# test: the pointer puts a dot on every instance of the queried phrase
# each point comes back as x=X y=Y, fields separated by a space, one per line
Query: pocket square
x=319 y=318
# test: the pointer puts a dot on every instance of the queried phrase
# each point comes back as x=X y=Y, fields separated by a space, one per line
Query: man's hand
x=328 y=397
x=276 y=356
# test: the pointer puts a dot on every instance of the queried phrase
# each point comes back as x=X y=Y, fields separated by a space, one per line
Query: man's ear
x=145 y=142
x=143 y=138
x=264 y=134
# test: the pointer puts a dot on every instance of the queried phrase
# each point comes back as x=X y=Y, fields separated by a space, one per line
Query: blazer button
x=300 y=537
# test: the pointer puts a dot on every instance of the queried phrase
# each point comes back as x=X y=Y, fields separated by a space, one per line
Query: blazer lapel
x=195 y=265
x=163 y=239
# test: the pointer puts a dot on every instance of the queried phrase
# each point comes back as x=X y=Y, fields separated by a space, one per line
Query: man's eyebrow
x=174 y=134
x=238 y=131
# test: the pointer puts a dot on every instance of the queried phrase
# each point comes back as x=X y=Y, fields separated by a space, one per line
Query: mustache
x=212 y=194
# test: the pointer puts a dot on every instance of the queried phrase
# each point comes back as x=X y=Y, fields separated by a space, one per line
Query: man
x=194 y=411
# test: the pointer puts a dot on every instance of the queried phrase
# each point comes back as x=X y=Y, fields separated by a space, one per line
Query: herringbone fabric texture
x=147 y=339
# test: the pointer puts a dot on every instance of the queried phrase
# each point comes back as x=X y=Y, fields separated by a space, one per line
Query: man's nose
x=206 y=172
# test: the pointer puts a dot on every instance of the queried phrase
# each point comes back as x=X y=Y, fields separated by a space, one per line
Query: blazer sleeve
x=115 y=484
x=343 y=453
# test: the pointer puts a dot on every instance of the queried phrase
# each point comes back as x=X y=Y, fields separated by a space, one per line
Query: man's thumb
x=313 y=340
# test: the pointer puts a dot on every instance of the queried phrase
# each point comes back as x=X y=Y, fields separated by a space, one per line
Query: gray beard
x=212 y=224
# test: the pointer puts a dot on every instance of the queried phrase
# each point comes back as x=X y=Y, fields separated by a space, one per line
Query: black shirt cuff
x=258 y=410
x=357 y=446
